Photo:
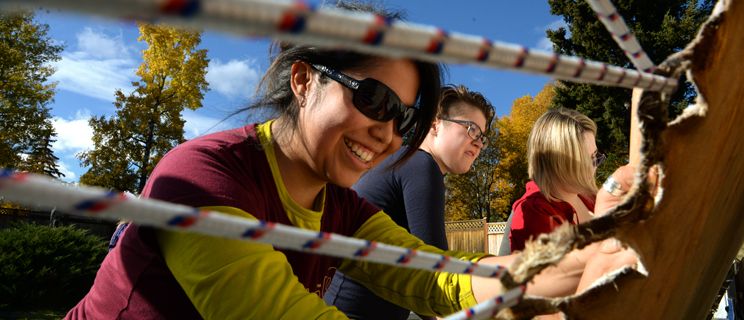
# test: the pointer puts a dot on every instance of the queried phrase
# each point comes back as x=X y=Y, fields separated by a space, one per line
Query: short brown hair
x=451 y=95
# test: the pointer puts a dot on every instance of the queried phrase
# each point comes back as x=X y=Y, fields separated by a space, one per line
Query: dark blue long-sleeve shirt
x=413 y=196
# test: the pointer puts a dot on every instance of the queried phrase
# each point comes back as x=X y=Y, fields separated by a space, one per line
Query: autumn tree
x=510 y=173
x=469 y=195
x=662 y=28
x=26 y=130
x=148 y=121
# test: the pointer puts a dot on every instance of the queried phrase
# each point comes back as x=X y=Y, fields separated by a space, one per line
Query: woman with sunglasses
x=339 y=114
x=413 y=193
x=562 y=158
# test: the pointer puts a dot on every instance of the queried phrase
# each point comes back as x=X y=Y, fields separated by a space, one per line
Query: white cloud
x=544 y=43
x=94 y=78
x=234 y=79
x=197 y=124
x=73 y=135
x=99 y=45
x=100 y=65
x=555 y=25
x=69 y=175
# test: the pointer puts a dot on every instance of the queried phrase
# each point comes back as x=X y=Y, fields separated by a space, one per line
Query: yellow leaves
x=173 y=64
x=148 y=121
x=498 y=176
x=503 y=189
x=510 y=174
x=456 y=211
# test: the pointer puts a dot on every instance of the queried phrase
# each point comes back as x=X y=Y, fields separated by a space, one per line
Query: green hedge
x=47 y=268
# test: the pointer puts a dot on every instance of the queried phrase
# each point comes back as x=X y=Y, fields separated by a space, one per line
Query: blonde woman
x=562 y=158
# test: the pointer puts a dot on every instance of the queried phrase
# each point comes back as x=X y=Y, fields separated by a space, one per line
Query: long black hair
x=275 y=92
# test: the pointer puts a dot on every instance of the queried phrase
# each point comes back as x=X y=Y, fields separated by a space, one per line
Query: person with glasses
x=562 y=158
x=338 y=114
x=413 y=193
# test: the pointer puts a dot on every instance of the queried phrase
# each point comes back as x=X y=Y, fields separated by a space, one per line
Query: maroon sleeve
x=206 y=172
x=532 y=217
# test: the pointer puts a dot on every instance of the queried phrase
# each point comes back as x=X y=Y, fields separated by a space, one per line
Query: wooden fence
x=475 y=235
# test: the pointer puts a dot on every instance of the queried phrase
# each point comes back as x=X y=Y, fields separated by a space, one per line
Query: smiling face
x=336 y=141
x=451 y=146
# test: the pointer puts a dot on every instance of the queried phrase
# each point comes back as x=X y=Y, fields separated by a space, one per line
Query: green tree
x=662 y=28
x=148 y=121
x=26 y=131
x=469 y=195
x=510 y=173
x=41 y=158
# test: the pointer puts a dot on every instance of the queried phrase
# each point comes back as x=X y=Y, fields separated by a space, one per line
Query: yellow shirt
x=233 y=279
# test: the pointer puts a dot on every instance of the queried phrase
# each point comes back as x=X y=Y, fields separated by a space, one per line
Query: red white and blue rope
x=41 y=191
x=300 y=23
x=615 y=24
x=489 y=308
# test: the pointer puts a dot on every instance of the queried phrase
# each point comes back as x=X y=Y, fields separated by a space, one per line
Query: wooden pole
x=485 y=235
x=634 y=151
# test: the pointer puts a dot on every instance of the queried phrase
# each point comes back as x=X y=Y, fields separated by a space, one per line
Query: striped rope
x=615 y=24
x=300 y=23
x=489 y=308
x=40 y=191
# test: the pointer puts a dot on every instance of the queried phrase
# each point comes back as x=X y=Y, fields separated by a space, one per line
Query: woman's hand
x=617 y=186
x=614 y=189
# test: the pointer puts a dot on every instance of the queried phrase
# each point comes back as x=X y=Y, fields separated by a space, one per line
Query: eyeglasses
x=474 y=131
x=598 y=158
x=375 y=100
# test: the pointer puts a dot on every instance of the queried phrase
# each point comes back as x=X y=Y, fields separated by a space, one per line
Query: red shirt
x=534 y=214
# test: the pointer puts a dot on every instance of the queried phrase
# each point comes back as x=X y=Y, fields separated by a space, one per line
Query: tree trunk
x=146 y=156
x=695 y=231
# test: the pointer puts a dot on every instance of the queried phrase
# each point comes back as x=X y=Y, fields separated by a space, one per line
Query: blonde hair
x=556 y=153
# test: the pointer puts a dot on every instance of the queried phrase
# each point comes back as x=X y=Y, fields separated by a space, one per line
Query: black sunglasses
x=375 y=100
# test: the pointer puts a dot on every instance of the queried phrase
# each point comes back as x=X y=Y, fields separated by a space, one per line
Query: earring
x=301 y=101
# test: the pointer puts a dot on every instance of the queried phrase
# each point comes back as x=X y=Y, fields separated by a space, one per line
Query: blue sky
x=102 y=55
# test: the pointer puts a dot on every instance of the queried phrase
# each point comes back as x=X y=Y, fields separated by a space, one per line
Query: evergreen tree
x=148 y=121
x=26 y=131
x=41 y=158
x=662 y=27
